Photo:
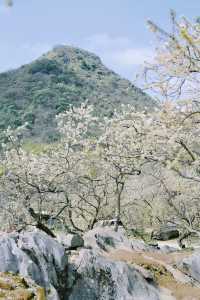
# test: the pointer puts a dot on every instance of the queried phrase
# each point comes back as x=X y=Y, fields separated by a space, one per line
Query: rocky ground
x=16 y=287
x=100 y=265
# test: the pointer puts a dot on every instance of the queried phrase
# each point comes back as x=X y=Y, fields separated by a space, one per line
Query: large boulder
x=105 y=238
x=70 y=241
x=191 y=265
x=165 y=232
x=37 y=256
x=99 y=278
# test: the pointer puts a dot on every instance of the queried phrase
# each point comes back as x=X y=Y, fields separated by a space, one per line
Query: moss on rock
x=15 y=287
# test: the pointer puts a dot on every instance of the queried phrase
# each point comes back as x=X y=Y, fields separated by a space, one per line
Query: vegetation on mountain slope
x=37 y=92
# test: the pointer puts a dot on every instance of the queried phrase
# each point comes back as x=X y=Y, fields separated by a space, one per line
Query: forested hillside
x=36 y=92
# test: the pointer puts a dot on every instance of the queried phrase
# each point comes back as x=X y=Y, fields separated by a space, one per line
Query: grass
x=15 y=287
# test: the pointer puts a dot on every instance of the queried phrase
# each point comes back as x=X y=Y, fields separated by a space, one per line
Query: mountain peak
x=66 y=75
x=67 y=53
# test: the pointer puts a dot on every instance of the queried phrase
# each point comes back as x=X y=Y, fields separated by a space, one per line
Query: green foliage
x=2 y=170
x=45 y=66
x=139 y=233
x=35 y=93
x=35 y=148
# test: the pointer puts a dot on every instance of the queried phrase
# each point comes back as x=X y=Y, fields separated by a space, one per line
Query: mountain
x=36 y=92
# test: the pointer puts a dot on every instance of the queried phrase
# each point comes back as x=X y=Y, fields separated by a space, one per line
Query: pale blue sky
x=114 y=29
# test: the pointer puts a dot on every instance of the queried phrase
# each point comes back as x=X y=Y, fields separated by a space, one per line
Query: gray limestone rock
x=99 y=278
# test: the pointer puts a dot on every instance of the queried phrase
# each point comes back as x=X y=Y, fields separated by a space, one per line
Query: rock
x=37 y=256
x=15 y=287
x=105 y=238
x=109 y=223
x=18 y=288
x=166 y=232
x=191 y=265
x=103 y=279
x=147 y=274
x=168 y=249
x=139 y=245
x=70 y=241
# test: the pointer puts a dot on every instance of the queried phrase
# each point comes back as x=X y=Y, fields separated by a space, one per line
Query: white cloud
x=118 y=53
x=106 y=42
x=132 y=56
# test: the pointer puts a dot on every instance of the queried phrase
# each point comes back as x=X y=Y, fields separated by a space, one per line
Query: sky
x=113 y=29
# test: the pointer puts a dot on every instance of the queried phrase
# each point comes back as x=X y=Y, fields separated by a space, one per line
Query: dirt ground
x=162 y=266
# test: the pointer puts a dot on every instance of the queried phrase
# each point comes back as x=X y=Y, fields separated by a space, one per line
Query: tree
x=174 y=77
x=9 y=3
x=122 y=150
x=174 y=73
x=84 y=176
x=63 y=179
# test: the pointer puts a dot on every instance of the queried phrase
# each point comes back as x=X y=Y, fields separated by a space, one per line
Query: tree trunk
x=39 y=224
x=183 y=236
x=118 y=212
x=119 y=190
x=44 y=228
